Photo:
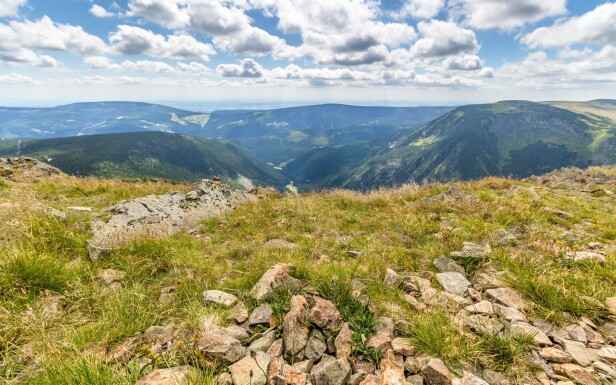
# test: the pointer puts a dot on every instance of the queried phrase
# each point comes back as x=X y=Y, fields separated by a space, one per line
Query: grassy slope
x=147 y=155
x=42 y=256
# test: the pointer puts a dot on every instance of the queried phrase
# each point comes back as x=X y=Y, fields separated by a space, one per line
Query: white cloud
x=192 y=68
x=443 y=38
x=101 y=12
x=421 y=9
x=131 y=40
x=595 y=27
x=507 y=14
x=463 y=63
x=15 y=79
x=45 y=34
x=100 y=63
x=248 y=68
x=10 y=7
x=104 y=63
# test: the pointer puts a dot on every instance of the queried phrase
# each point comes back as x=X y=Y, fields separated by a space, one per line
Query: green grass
x=504 y=352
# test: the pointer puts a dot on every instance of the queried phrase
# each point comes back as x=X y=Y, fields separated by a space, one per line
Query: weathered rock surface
x=577 y=373
x=539 y=337
x=507 y=297
x=335 y=372
x=215 y=345
x=261 y=315
x=220 y=298
x=275 y=278
x=436 y=373
x=343 y=342
x=324 y=313
x=170 y=376
x=454 y=283
x=472 y=250
x=250 y=370
x=446 y=265
x=163 y=215
x=295 y=328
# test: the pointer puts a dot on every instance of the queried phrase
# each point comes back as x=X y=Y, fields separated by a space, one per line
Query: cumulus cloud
x=193 y=68
x=507 y=15
x=463 y=63
x=443 y=38
x=104 y=63
x=595 y=27
x=248 y=68
x=421 y=9
x=131 y=40
x=15 y=79
x=101 y=62
x=10 y=7
x=101 y=12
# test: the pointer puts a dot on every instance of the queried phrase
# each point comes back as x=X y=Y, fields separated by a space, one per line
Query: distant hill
x=516 y=138
x=97 y=118
x=175 y=157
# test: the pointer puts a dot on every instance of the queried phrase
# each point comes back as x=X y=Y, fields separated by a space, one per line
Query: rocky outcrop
x=164 y=215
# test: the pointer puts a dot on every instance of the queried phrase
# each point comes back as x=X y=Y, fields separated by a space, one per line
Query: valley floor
x=550 y=241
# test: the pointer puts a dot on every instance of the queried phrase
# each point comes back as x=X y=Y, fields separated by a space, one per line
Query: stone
x=592 y=336
x=80 y=208
x=219 y=298
x=238 y=313
x=159 y=335
x=436 y=373
x=587 y=256
x=324 y=360
x=235 y=331
x=290 y=374
x=581 y=355
x=325 y=314
x=470 y=379
x=446 y=265
x=316 y=346
x=454 y=283
x=261 y=315
x=275 y=278
x=576 y=373
x=336 y=372
x=403 y=346
x=167 y=293
x=483 y=307
x=251 y=370
x=472 y=250
x=392 y=369
x=555 y=355
x=108 y=277
x=503 y=237
x=415 y=379
x=611 y=305
x=608 y=354
x=363 y=366
x=124 y=351
x=371 y=379
x=224 y=379
x=304 y=366
x=576 y=333
x=507 y=297
x=343 y=341
x=169 y=376
x=539 y=337
x=264 y=342
x=419 y=306
x=357 y=378
x=483 y=324
x=295 y=328
x=276 y=349
x=380 y=341
x=215 y=345
x=392 y=279
x=414 y=364
x=603 y=367
x=495 y=378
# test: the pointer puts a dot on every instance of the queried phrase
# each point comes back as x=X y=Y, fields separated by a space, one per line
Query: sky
x=390 y=52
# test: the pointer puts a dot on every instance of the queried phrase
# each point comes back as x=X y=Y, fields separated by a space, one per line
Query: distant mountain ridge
x=138 y=155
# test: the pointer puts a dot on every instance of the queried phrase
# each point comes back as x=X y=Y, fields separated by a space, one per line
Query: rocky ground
x=497 y=282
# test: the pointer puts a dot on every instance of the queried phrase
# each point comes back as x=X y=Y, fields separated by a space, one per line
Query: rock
x=509 y=314
x=608 y=354
x=577 y=373
x=54 y=212
x=503 y=237
x=218 y=346
x=238 y=313
x=402 y=346
x=483 y=324
x=392 y=369
x=304 y=366
x=454 y=283
x=324 y=360
x=110 y=276
x=472 y=250
x=276 y=349
x=495 y=378
x=295 y=328
x=363 y=366
x=80 y=208
x=276 y=278
x=235 y=331
x=250 y=370
x=471 y=379
x=523 y=328
x=436 y=373
x=336 y=372
x=371 y=379
x=343 y=342
x=419 y=306
x=124 y=351
x=592 y=336
x=261 y=315
x=380 y=341
x=555 y=355
x=170 y=376
x=263 y=343
x=603 y=367
x=581 y=355
x=224 y=379
x=507 y=297
x=611 y=305
x=392 y=279
x=447 y=265
x=415 y=379
x=414 y=364
x=357 y=378
x=483 y=307
x=219 y=298
x=590 y=256
x=316 y=346
x=167 y=293
x=577 y=333
x=325 y=314
x=385 y=325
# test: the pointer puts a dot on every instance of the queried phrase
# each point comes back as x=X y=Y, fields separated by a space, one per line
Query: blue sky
x=414 y=52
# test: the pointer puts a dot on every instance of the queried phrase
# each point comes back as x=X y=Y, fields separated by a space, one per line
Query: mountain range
x=323 y=146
